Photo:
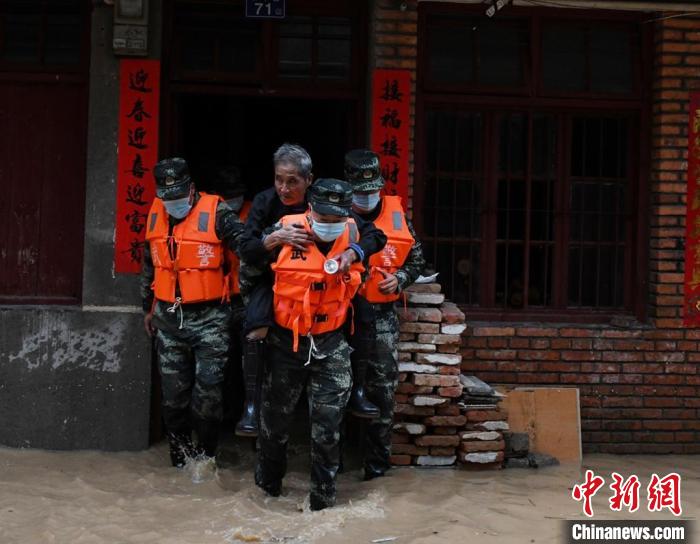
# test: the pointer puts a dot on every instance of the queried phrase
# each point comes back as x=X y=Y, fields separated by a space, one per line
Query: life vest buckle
x=321 y=318
x=318 y=286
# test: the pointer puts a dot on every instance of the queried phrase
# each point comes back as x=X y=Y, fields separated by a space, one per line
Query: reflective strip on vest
x=397 y=220
x=203 y=221
x=154 y=218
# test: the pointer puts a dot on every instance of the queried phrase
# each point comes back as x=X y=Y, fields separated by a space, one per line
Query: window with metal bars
x=527 y=205
x=545 y=224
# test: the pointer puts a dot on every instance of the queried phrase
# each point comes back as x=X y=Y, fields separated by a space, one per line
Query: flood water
x=94 y=497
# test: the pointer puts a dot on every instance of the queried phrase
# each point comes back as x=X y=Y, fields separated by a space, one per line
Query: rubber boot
x=358 y=405
x=253 y=361
x=207 y=437
x=181 y=448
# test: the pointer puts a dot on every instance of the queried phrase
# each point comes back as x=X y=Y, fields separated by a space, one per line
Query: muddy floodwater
x=94 y=497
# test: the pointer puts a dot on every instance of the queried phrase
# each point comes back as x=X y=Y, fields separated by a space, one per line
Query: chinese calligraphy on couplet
x=137 y=153
x=691 y=314
x=391 y=94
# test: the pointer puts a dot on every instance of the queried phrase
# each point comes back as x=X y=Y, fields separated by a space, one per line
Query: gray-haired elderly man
x=288 y=196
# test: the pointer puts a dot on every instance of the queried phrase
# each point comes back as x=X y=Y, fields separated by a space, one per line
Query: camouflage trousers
x=191 y=360
x=234 y=391
x=327 y=380
x=380 y=385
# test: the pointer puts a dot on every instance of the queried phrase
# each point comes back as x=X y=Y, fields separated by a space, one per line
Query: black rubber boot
x=358 y=405
x=317 y=503
x=253 y=361
x=181 y=448
x=207 y=437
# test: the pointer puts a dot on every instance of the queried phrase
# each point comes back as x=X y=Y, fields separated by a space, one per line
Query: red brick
x=400 y=460
x=447 y=410
x=495 y=354
x=450 y=392
x=442 y=441
x=536 y=331
x=409 y=449
x=445 y=421
x=472 y=446
x=493 y=331
x=486 y=415
x=581 y=355
x=516 y=343
x=410 y=410
x=435 y=380
x=400 y=438
x=579 y=333
x=446 y=370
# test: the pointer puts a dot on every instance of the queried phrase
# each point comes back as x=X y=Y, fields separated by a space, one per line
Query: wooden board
x=551 y=417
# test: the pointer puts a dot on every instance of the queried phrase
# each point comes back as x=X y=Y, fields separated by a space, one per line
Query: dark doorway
x=245 y=131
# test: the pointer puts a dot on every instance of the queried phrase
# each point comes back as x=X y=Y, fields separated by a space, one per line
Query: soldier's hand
x=148 y=324
x=389 y=284
x=294 y=235
x=345 y=259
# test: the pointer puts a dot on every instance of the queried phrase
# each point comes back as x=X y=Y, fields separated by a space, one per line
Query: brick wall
x=640 y=386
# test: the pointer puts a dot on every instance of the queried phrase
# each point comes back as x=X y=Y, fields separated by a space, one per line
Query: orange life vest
x=232 y=259
x=191 y=258
x=392 y=221
x=308 y=300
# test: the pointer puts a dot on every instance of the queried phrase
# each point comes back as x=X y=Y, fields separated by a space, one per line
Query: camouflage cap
x=363 y=171
x=331 y=197
x=228 y=183
x=172 y=178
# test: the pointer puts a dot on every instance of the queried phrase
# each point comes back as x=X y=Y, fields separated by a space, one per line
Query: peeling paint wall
x=73 y=379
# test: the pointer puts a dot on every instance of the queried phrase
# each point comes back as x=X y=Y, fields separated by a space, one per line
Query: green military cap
x=363 y=171
x=331 y=197
x=172 y=178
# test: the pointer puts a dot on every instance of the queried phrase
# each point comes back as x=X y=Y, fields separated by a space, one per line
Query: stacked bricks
x=427 y=414
x=482 y=443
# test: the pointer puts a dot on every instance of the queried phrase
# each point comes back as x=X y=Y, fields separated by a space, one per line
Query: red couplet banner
x=137 y=153
x=691 y=315
x=391 y=97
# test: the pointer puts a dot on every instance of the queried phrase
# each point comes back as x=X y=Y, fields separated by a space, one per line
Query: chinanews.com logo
x=663 y=494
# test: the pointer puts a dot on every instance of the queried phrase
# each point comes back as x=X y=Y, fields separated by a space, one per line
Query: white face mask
x=236 y=203
x=365 y=202
x=328 y=231
x=179 y=207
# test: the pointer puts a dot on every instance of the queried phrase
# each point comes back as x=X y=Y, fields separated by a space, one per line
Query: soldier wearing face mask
x=185 y=293
x=307 y=347
x=293 y=177
x=390 y=271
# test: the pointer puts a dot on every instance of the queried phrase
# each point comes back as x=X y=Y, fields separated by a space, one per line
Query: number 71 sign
x=265 y=9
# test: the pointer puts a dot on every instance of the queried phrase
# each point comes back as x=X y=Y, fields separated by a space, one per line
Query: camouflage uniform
x=192 y=344
x=202 y=340
x=327 y=380
x=362 y=170
x=382 y=369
